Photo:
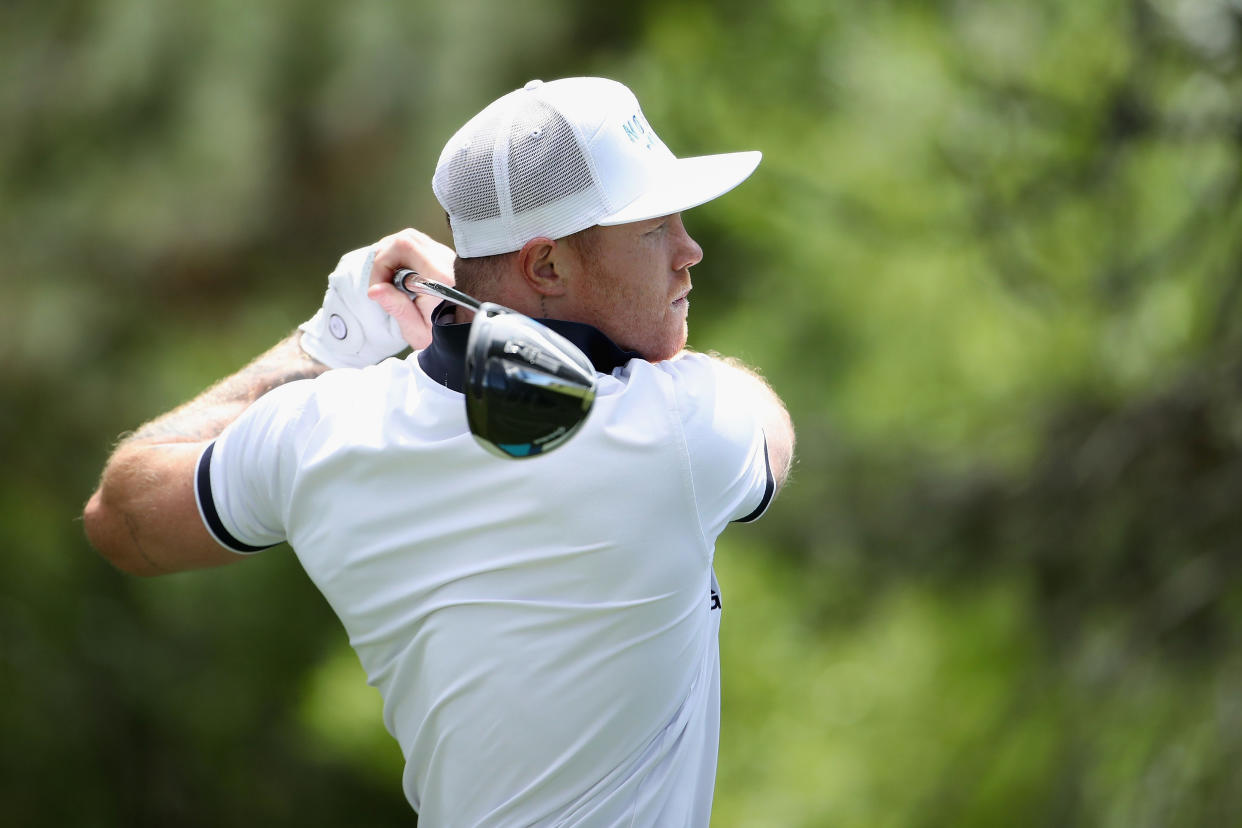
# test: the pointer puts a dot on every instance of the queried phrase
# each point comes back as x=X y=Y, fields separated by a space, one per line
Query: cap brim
x=686 y=183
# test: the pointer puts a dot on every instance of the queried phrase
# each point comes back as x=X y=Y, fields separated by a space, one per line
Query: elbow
x=96 y=523
x=107 y=531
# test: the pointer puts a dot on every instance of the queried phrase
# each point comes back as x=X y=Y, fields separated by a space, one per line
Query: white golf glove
x=351 y=330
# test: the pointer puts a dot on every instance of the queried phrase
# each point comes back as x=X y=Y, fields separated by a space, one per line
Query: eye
x=659 y=228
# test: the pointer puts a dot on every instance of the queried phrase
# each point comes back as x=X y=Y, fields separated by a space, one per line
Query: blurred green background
x=992 y=262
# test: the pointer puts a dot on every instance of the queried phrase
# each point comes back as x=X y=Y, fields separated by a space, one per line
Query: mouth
x=683 y=300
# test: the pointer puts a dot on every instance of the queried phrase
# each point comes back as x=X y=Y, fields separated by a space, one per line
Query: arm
x=738 y=438
x=778 y=430
x=777 y=426
x=144 y=517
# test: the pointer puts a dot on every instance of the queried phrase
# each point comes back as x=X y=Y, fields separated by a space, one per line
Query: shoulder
x=722 y=423
x=687 y=375
x=346 y=389
x=336 y=395
x=715 y=405
x=694 y=372
x=708 y=392
x=341 y=382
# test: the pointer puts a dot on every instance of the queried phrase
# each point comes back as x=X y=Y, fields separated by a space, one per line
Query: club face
x=528 y=388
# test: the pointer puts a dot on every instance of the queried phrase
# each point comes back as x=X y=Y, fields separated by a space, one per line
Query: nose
x=688 y=251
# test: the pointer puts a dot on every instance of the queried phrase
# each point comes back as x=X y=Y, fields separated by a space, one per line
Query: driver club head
x=528 y=389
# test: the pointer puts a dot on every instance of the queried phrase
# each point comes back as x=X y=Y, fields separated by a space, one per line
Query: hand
x=359 y=324
x=428 y=258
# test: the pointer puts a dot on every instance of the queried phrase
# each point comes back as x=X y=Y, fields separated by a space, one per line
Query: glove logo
x=337 y=327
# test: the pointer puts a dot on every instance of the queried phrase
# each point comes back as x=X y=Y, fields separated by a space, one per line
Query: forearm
x=205 y=416
x=143 y=516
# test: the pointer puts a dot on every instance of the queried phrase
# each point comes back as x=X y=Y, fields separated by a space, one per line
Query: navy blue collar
x=444 y=360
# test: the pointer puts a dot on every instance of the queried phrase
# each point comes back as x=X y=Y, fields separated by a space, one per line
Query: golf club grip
x=412 y=285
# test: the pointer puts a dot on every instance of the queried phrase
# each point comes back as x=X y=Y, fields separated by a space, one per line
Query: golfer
x=543 y=631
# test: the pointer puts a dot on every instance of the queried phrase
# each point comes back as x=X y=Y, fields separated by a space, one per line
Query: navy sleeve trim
x=207 y=505
x=769 y=490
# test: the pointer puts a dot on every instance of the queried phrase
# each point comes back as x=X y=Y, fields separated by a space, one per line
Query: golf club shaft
x=410 y=283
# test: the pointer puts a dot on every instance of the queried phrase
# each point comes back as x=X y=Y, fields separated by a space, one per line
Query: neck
x=534 y=308
x=444 y=359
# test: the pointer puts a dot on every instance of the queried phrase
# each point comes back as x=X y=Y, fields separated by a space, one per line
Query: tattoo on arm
x=204 y=417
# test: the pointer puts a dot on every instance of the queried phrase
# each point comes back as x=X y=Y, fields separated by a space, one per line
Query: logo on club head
x=529 y=353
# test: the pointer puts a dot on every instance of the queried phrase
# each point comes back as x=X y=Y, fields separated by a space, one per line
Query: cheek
x=648 y=302
x=633 y=306
x=628 y=297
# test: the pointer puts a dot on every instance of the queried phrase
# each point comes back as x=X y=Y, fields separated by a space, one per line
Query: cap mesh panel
x=545 y=162
x=468 y=181
x=514 y=172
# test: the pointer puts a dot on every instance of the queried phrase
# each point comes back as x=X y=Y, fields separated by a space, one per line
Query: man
x=544 y=631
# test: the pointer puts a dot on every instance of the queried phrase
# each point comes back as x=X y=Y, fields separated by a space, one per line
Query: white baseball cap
x=554 y=158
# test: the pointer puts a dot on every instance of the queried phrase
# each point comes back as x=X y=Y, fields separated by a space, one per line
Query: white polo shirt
x=543 y=631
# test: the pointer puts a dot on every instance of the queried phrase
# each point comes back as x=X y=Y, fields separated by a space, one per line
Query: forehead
x=619 y=238
x=609 y=241
x=632 y=228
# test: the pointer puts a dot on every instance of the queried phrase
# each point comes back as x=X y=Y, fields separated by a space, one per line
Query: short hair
x=585 y=243
x=479 y=275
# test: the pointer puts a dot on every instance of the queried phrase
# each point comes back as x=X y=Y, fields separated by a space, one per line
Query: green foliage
x=991 y=261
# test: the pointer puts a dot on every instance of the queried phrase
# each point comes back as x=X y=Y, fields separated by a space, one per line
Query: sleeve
x=243 y=477
x=729 y=464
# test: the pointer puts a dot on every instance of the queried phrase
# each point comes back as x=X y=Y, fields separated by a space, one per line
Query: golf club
x=528 y=389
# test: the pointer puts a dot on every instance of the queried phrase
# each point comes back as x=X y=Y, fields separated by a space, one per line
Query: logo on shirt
x=713 y=599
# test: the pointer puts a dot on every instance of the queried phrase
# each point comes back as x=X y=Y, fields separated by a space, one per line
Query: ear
x=542 y=262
